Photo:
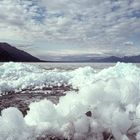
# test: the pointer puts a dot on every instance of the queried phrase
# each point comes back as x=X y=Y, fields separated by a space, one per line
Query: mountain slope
x=131 y=59
x=10 y=53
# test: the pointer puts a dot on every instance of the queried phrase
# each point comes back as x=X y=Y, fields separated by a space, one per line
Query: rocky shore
x=22 y=99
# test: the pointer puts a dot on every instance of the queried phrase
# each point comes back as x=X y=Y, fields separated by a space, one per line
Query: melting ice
x=112 y=96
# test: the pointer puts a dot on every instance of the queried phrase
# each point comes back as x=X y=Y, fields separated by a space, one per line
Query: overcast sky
x=68 y=27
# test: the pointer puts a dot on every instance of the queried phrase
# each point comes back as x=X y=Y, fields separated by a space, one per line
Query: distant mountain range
x=100 y=59
x=127 y=59
x=10 y=53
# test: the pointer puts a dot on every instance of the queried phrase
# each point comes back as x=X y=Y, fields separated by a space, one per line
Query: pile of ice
x=20 y=76
x=111 y=95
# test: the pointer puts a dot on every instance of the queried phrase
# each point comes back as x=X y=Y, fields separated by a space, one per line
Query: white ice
x=112 y=95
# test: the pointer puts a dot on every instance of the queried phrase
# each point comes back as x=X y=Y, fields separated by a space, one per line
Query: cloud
x=129 y=43
x=102 y=24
